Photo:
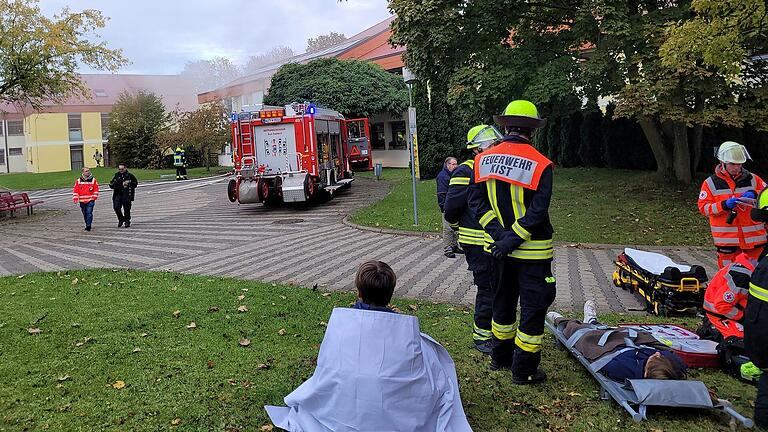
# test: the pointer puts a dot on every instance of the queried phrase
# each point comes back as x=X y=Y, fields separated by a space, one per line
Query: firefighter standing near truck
x=510 y=198
x=720 y=200
x=180 y=162
x=471 y=234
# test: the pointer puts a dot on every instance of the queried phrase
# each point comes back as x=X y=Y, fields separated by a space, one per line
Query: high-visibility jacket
x=510 y=197
x=85 y=191
x=456 y=207
x=179 y=159
x=756 y=316
x=743 y=232
x=726 y=296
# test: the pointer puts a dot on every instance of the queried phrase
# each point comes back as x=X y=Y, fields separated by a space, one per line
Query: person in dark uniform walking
x=180 y=162
x=756 y=319
x=471 y=234
x=123 y=186
x=510 y=198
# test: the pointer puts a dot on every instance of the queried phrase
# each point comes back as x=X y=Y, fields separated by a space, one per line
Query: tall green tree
x=352 y=87
x=207 y=131
x=674 y=66
x=39 y=56
x=135 y=122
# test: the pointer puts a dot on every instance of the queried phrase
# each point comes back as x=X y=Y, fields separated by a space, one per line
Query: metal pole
x=413 y=163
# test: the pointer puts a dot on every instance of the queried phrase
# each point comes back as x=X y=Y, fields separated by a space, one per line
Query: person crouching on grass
x=375 y=371
x=85 y=192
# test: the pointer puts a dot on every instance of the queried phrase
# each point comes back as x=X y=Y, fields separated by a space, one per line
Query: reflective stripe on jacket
x=743 y=232
x=508 y=208
x=457 y=211
x=85 y=191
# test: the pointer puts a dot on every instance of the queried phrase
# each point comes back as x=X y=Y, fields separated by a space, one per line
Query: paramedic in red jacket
x=726 y=297
x=733 y=230
x=85 y=192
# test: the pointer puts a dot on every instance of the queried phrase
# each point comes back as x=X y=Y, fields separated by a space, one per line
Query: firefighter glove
x=509 y=242
x=749 y=195
x=730 y=203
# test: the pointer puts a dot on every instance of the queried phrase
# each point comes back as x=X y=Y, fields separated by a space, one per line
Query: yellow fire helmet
x=520 y=113
x=483 y=136
x=760 y=212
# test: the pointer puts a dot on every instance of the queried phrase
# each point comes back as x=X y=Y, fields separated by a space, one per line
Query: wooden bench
x=10 y=203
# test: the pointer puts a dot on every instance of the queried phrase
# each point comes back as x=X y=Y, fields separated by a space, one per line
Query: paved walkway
x=191 y=227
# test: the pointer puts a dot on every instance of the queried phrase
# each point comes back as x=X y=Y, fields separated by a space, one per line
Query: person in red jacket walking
x=721 y=200
x=85 y=193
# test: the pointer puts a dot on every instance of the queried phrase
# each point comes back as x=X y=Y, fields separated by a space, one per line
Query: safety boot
x=537 y=378
x=484 y=346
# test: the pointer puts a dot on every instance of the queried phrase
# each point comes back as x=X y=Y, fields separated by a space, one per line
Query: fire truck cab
x=295 y=153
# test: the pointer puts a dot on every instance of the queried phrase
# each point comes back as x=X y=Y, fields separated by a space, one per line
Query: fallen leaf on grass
x=75 y=281
x=263 y=366
x=118 y=385
x=137 y=349
x=413 y=307
x=323 y=323
x=572 y=394
x=176 y=313
x=326 y=294
x=232 y=382
x=245 y=342
x=210 y=364
x=21 y=277
x=176 y=422
x=284 y=297
x=34 y=331
x=240 y=297
x=267 y=428
x=242 y=309
x=244 y=289
x=213 y=309
x=144 y=335
x=192 y=326
x=281 y=332
x=63 y=378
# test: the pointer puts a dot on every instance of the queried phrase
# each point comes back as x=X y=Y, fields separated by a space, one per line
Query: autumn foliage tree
x=324 y=41
x=135 y=122
x=39 y=56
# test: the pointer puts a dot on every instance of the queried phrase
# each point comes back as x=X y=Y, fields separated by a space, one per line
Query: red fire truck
x=295 y=153
x=358 y=144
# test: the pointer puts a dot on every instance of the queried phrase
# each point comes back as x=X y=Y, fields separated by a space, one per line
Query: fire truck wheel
x=232 y=190
x=310 y=188
x=263 y=190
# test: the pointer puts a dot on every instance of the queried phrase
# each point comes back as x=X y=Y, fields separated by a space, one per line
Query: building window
x=105 y=119
x=100 y=93
x=2 y=158
x=75 y=127
x=16 y=151
x=378 y=137
x=399 y=137
x=15 y=127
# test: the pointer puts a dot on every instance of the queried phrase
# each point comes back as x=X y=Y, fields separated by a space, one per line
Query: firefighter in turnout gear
x=510 y=199
x=721 y=200
x=471 y=234
x=756 y=319
x=180 y=162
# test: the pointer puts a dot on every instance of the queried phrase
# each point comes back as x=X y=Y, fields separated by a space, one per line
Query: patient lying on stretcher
x=626 y=354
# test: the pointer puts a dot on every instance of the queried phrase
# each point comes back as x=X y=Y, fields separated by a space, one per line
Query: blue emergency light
x=311 y=109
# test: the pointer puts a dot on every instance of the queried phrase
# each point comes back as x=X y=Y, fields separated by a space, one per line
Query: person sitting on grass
x=635 y=354
x=375 y=371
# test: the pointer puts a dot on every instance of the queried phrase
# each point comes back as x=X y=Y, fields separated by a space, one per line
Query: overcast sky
x=159 y=36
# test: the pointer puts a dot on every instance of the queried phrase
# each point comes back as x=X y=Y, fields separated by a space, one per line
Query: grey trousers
x=450 y=237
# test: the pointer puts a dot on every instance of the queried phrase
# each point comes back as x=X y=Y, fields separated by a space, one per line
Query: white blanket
x=375 y=372
x=654 y=262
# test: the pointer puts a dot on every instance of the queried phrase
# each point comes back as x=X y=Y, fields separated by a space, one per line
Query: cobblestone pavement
x=191 y=227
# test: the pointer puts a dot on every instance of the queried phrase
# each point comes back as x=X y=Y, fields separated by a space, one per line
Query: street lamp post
x=410 y=79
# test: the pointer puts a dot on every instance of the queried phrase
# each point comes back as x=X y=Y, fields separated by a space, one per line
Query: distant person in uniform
x=85 y=192
x=123 y=187
x=97 y=157
x=180 y=162
x=450 y=237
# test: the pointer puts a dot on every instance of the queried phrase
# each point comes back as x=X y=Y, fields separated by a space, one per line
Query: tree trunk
x=659 y=149
x=697 y=138
x=682 y=153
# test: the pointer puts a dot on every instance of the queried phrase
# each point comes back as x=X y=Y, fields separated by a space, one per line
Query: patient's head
x=375 y=282
x=661 y=367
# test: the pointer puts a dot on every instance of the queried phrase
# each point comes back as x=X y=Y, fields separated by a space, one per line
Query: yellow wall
x=48 y=146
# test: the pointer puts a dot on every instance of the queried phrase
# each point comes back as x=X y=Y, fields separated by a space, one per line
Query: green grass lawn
x=111 y=355
x=589 y=205
x=32 y=181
